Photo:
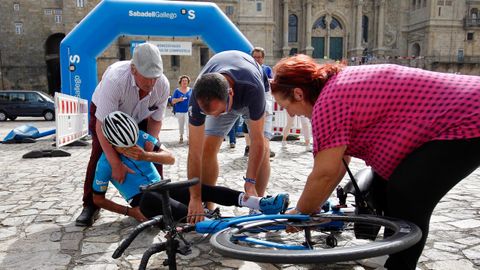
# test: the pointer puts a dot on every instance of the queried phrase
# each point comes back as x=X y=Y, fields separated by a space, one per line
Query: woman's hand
x=291 y=229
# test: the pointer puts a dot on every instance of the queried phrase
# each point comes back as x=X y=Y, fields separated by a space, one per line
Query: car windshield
x=46 y=96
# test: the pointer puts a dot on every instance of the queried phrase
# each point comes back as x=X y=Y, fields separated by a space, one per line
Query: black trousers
x=419 y=183
x=151 y=203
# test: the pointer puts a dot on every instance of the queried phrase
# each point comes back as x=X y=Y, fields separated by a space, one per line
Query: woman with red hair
x=419 y=130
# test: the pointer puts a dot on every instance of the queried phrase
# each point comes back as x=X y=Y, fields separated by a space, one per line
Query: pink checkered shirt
x=384 y=112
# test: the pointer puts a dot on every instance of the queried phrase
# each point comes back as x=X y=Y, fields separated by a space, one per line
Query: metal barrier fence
x=71 y=118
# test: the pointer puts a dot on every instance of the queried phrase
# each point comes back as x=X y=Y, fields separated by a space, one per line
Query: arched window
x=52 y=56
x=292 y=28
x=365 y=28
x=474 y=13
x=335 y=23
x=416 y=50
x=320 y=23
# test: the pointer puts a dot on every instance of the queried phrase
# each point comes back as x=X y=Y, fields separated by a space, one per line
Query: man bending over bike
x=122 y=132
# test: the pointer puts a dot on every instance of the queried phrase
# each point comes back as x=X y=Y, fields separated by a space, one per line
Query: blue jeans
x=232 y=134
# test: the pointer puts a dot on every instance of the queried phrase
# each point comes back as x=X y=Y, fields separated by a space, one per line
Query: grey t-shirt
x=250 y=80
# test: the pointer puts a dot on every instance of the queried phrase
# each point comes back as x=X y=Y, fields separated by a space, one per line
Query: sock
x=252 y=202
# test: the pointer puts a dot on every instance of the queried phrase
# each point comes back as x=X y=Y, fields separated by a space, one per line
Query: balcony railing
x=455 y=59
x=422 y=60
x=471 y=22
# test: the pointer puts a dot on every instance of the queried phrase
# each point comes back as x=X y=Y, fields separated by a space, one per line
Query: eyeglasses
x=226 y=107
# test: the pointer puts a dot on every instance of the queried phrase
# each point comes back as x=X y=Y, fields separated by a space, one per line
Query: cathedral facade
x=439 y=35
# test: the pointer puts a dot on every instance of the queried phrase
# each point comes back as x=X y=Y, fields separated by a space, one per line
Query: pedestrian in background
x=180 y=99
x=258 y=53
x=232 y=134
x=305 y=130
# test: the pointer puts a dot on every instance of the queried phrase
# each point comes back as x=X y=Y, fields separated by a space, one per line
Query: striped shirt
x=117 y=91
x=384 y=112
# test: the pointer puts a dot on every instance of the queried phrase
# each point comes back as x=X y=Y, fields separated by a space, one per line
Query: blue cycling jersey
x=145 y=172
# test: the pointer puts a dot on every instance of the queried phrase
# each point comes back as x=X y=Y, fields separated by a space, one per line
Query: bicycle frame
x=215 y=225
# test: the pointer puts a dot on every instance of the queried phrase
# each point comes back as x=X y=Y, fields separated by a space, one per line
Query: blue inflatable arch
x=112 y=18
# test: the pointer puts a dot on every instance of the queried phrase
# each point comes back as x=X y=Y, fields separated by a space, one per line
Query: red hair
x=301 y=71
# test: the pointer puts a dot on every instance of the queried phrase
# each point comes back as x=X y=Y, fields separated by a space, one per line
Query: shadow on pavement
x=51 y=246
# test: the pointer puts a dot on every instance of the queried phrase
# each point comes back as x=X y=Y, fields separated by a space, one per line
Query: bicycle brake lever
x=155 y=185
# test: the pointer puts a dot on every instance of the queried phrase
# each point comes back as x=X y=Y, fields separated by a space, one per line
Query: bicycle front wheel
x=320 y=239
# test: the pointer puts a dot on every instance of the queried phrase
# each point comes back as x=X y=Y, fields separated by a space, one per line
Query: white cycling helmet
x=120 y=129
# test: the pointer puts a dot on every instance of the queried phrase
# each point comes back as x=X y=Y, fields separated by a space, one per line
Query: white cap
x=148 y=60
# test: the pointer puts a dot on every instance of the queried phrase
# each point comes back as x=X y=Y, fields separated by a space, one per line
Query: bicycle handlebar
x=142 y=226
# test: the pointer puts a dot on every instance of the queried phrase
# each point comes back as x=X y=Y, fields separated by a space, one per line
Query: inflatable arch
x=112 y=18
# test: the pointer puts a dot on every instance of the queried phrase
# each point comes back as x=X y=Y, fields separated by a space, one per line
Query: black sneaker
x=87 y=217
x=247 y=148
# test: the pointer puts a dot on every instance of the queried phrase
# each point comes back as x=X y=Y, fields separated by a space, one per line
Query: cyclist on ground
x=419 y=130
x=122 y=132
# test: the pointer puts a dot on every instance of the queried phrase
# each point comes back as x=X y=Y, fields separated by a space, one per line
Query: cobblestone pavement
x=40 y=199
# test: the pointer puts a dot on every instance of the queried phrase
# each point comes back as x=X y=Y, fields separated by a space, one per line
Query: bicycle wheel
x=324 y=238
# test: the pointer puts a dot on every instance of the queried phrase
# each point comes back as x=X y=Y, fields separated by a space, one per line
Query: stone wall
x=438 y=31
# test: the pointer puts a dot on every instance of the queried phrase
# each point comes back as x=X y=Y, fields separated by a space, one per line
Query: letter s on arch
x=74 y=59
x=191 y=14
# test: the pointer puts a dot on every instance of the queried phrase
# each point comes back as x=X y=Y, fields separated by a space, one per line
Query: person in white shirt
x=138 y=88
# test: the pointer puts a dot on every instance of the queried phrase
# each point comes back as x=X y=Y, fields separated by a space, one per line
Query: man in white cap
x=138 y=88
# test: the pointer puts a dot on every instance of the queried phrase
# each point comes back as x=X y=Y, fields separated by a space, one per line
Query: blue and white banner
x=113 y=18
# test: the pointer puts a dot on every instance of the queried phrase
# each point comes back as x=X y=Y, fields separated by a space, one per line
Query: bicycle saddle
x=364 y=180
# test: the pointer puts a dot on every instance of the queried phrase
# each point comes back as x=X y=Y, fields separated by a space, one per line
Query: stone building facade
x=441 y=35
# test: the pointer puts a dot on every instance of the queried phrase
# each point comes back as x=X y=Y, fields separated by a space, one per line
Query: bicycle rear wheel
x=323 y=239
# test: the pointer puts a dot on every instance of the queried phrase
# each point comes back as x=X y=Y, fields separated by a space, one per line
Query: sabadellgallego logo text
x=152 y=14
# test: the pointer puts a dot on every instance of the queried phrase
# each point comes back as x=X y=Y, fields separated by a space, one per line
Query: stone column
x=285 y=48
x=328 y=20
x=356 y=49
x=358 y=35
x=381 y=24
x=308 y=27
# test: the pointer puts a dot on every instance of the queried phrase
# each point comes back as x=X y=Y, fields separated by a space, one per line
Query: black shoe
x=272 y=154
x=87 y=217
x=246 y=151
